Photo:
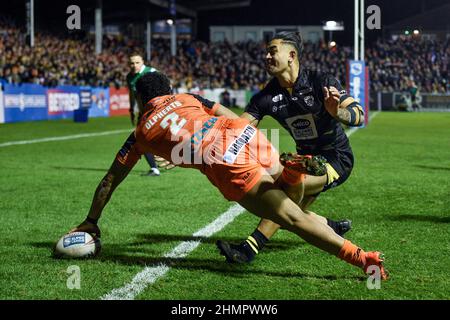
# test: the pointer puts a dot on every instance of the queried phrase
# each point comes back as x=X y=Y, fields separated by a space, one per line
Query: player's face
x=136 y=63
x=277 y=57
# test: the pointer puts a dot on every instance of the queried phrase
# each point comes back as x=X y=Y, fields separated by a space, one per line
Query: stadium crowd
x=58 y=60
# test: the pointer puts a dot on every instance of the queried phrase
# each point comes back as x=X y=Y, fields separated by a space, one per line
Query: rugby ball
x=77 y=245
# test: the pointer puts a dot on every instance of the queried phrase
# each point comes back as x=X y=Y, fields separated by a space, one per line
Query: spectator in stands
x=225 y=99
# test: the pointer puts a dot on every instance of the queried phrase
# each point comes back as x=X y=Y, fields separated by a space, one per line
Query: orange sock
x=292 y=177
x=352 y=254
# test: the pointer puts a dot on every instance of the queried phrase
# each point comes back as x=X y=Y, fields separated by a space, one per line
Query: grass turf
x=397 y=197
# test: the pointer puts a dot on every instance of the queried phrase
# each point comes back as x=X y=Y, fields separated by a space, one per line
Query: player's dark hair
x=151 y=85
x=292 y=38
x=136 y=53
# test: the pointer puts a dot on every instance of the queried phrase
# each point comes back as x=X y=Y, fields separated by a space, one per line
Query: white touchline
x=151 y=274
x=71 y=137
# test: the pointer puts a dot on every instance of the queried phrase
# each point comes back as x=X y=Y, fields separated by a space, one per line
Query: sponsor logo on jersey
x=309 y=100
x=277 y=98
x=197 y=137
x=301 y=123
x=276 y=108
x=302 y=127
x=237 y=145
x=305 y=91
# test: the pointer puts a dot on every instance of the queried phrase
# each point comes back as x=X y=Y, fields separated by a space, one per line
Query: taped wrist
x=354 y=108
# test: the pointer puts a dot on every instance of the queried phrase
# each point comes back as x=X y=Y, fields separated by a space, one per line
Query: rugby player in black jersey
x=311 y=106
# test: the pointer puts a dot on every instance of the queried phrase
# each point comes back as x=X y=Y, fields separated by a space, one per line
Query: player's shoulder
x=186 y=97
x=150 y=69
x=199 y=99
x=270 y=90
x=320 y=78
x=315 y=76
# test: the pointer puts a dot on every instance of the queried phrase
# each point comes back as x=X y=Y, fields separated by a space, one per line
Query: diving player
x=238 y=159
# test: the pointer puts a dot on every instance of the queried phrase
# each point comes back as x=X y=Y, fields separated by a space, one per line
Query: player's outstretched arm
x=224 y=111
x=115 y=175
x=249 y=117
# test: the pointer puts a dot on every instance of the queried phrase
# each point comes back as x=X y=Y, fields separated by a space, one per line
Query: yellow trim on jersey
x=357 y=111
x=331 y=174
x=289 y=90
x=252 y=242
x=346 y=102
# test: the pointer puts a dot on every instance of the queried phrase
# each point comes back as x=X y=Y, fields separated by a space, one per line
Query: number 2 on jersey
x=171 y=119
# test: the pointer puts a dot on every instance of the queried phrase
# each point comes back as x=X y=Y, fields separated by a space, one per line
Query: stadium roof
x=159 y=9
x=118 y=11
x=431 y=20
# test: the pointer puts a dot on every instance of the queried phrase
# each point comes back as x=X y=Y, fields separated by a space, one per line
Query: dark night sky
x=50 y=13
x=300 y=12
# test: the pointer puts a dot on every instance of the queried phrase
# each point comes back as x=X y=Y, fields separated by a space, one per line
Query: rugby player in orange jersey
x=193 y=132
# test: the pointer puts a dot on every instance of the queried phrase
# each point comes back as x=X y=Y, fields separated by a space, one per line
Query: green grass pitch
x=398 y=197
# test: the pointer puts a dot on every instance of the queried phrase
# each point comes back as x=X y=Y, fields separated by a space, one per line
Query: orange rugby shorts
x=241 y=156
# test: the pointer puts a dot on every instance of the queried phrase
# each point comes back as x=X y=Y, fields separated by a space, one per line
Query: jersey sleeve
x=129 y=154
x=256 y=108
x=209 y=106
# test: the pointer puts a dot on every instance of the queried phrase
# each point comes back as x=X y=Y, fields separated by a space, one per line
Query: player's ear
x=292 y=55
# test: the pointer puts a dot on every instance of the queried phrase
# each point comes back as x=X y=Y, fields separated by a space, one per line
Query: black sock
x=333 y=225
x=256 y=241
x=151 y=160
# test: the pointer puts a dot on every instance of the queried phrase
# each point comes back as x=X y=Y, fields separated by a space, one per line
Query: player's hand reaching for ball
x=331 y=97
x=88 y=227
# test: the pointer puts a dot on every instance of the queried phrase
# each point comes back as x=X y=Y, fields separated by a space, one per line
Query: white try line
x=71 y=137
x=350 y=131
x=151 y=274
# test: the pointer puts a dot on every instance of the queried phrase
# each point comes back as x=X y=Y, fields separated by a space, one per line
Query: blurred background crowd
x=55 y=60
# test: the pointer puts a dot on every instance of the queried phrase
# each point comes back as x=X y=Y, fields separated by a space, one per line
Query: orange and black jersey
x=302 y=112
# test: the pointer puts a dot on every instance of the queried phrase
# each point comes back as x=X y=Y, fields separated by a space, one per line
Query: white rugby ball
x=77 y=245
